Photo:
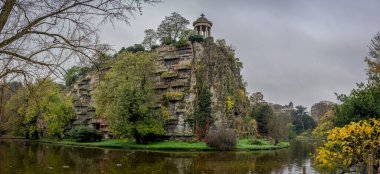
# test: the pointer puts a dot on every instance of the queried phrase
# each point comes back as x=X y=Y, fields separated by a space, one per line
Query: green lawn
x=245 y=144
x=166 y=145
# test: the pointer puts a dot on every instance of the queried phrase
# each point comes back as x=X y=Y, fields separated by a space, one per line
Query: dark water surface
x=17 y=156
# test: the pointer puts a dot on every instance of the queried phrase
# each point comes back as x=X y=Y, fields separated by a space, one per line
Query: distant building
x=320 y=108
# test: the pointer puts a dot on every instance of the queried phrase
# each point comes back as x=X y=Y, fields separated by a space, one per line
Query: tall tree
x=278 y=126
x=373 y=61
x=150 y=38
x=172 y=26
x=262 y=112
x=203 y=111
x=41 y=108
x=302 y=120
x=126 y=98
x=360 y=104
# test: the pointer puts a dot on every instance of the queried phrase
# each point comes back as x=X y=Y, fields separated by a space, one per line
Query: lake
x=18 y=156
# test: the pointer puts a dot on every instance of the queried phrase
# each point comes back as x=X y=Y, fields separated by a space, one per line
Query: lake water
x=17 y=156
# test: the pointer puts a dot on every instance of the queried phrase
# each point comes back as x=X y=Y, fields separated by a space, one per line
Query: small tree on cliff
x=172 y=27
x=149 y=39
x=126 y=97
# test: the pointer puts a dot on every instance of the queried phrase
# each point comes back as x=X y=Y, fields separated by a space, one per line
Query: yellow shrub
x=229 y=104
x=348 y=146
x=174 y=96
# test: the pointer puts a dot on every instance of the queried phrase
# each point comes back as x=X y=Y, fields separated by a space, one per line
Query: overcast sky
x=292 y=50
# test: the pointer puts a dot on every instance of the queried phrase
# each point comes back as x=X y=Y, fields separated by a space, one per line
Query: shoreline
x=165 y=146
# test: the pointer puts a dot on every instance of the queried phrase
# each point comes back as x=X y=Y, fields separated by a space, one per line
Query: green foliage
x=218 y=67
x=172 y=27
x=75 y=73
x=166 y=41
x=149 y=39
x=221 y=139
x=292 y=131
x=136 y=48
x=278 y=126
x=42 y=107
x=362 y=103
x=203 y=111
x=325 y=124
x=12 y=121
x=261 y=113
x=255 y=141
x=85 y=134
x=126 y=97
x=301 y=120
x=181 y=43
x=196 y=38
x=153 y=47
x=147 y=129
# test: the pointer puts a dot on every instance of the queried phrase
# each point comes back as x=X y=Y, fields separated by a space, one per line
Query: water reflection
x=29 y=157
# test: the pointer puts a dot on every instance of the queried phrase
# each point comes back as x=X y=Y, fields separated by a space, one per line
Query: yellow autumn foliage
x=229 y=104
x=348 y=146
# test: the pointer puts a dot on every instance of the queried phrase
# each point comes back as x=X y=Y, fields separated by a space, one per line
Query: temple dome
x=202 y=20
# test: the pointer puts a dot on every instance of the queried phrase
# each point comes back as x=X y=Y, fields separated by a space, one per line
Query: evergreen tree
x=262 y=112
x=203 y=111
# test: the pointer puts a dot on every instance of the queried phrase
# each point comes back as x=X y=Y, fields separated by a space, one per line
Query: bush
x=181 y=43
x=85 y=134
x=221 y=139
x=174 y=96
x=153 y=47
x=196 y=38
x=166 y=41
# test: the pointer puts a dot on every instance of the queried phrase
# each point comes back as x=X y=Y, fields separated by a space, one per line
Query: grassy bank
x=166 y=145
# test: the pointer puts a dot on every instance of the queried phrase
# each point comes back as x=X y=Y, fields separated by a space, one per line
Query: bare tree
x=38 y=36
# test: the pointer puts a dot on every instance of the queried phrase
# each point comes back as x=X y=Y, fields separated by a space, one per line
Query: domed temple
x=203 y=26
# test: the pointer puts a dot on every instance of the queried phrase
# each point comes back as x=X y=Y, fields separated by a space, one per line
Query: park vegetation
x=351 y=130
x=126 y=99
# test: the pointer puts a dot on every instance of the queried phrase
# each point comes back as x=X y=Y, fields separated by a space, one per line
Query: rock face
x=216 y=66
x=320 y=108
x=179 y=72
x=175 y=81
x=84 y=105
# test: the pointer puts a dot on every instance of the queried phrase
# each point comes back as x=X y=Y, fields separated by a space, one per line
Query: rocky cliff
x=179 y=73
